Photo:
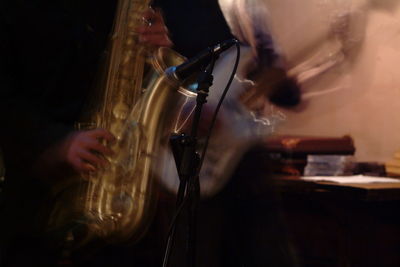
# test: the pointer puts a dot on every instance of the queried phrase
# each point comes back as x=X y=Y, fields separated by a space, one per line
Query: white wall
x=360 y=96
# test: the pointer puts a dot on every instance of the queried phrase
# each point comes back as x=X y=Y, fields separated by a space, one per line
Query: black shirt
x=49 y=53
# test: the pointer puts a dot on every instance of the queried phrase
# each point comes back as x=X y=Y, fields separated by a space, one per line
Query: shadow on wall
x=384 y=5
x=349 y=29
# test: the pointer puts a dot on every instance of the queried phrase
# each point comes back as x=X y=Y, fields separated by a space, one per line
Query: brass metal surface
x=135 y=103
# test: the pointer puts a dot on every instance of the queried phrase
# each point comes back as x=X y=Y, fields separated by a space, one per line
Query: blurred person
x=50 y=53
x=240 y=221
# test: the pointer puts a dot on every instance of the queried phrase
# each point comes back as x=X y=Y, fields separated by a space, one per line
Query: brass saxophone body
x=136 y=105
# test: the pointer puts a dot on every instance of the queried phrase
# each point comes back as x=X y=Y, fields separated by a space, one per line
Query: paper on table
x=355 y=179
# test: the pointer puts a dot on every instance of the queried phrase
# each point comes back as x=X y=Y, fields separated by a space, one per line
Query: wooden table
x=342 y=225
x=356 y=191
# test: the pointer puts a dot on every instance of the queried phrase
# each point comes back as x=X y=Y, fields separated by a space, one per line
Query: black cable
x=214 y=118
x=212 y=124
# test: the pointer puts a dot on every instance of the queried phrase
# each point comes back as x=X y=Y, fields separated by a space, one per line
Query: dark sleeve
x=26 y=131
x=49 y=56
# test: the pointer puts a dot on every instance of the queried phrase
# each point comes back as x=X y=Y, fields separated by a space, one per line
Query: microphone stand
x=188 y=164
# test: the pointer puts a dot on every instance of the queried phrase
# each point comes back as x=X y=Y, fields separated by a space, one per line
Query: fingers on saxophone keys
x=150 y=15
x=82 y=166
x=102 y=134
x=154 y=31
x=147 y=22
x=102 y=149
x=94 y=152
x=97 y=161
x=97 y=154
x=87 y=168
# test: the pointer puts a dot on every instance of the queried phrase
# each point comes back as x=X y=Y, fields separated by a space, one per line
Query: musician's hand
x=154 y=32
x=84 y=151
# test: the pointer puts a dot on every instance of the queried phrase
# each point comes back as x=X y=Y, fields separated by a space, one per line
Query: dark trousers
x=240 y=226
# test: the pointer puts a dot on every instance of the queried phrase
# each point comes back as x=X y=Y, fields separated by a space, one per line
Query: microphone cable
x=179 y=210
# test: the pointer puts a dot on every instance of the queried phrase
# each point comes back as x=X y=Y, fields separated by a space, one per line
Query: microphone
x=184 y=70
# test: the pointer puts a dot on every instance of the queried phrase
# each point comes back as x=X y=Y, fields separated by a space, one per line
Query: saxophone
x=116 y=204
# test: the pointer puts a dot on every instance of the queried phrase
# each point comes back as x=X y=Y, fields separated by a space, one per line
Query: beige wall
x=361 y=95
